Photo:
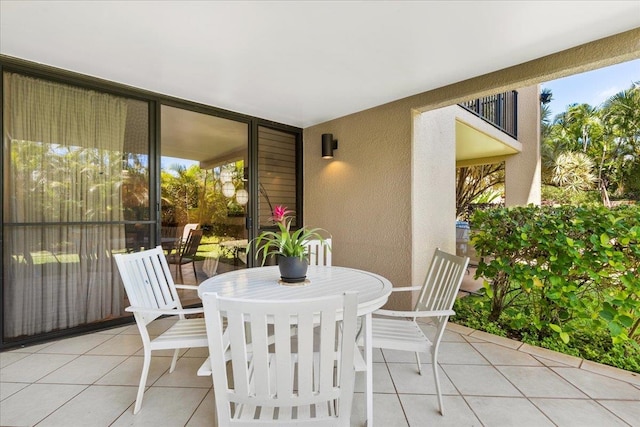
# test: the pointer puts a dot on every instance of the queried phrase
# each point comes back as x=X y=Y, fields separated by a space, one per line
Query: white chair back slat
x=442 y=283
x=148 y=268
x=319 y=252
x=290 y=373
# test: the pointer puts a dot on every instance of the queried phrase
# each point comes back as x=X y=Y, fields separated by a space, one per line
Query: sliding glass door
x=203 y=184
x=75 y=191
x=90 y=171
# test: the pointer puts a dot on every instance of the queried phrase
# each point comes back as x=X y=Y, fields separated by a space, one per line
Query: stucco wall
x=522 y=172
x=363 y=196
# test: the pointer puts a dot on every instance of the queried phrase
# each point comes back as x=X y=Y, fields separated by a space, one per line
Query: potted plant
x=289 y=246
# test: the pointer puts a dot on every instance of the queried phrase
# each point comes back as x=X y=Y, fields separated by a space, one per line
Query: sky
x=593 y=87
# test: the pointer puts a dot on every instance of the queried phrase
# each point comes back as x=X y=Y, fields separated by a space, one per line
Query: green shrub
x=561 y=270
x=594 y=345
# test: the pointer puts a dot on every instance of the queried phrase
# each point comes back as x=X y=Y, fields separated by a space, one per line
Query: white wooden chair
x=152 y=293
x=307 y=379
x=398 y=330
x=319 y=251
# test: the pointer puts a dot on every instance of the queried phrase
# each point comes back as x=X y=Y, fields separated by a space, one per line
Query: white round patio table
x=262 y=284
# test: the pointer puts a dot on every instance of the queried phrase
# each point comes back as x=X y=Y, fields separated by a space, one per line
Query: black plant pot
x=292 y=269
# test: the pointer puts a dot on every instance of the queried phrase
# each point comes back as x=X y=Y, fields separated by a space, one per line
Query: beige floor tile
x=499 y=355
x=479 y=381
x=550 y=363
x=113 y=331
x=119 y=345
x=454 y=353
x=197 y=352
x=185 y=375
x=130 y=330
x=551 y=355
x=407 y=379
x=33 y=367
x=205 y=414
x=32 y=348
x=422 y=410
x=430 y=332
x=459 y=329
x=540 y=382
x=9 y=357
x=160 y=326
x=85 y=369
x=598 y=386
x=182 y=398
x=496 y=339
x=164 y=406
x=611 y=372
x=387 y=411
x=577 y=413
x=95 y=406
x=382 y=382
x=450 y=353
x=377 y=355
x=507 y=411
x=128 y=372
x=163 y=353
x=397 y=356
x=33 y=403
x=75 y=345
x=472 y=339
x=7 y=389
x=628 y=410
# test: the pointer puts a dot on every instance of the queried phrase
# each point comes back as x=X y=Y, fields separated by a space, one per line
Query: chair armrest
x=406 y=288
x=190 y=287
x=166 y=311
x=397 y=313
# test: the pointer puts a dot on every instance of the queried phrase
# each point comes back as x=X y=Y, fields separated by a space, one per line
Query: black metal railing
x=500 y=110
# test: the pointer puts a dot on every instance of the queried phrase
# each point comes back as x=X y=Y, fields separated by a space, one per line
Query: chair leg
x=418 y=362
x=174 y=360
x=437 y=380
x=143 y=380
x=195 y=275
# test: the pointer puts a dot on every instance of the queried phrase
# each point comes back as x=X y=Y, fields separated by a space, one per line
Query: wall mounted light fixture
x=328 y=145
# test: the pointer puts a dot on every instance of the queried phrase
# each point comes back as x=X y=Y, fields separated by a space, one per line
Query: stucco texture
x=363 y=197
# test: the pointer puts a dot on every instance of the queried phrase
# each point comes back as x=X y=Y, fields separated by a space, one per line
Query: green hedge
x=558 y=272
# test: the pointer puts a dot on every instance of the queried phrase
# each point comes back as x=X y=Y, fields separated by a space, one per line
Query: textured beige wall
x=522 y=172
x=363 y=196
x=433 y=192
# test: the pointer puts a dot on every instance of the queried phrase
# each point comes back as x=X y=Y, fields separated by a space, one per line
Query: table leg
x=368 y=358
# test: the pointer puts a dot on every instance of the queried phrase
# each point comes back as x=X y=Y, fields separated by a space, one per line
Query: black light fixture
x=328 y=145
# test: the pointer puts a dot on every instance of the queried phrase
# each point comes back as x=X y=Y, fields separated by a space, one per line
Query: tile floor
x=91 y=380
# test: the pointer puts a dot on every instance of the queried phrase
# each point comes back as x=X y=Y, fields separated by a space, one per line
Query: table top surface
x=262 y=283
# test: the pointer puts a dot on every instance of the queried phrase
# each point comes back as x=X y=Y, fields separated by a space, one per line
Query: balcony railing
x=500 y=110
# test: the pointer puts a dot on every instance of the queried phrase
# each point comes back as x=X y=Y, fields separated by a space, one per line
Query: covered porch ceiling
x=475 y=147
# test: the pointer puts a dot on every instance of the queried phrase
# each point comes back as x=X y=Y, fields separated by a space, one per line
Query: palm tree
x=621 y=116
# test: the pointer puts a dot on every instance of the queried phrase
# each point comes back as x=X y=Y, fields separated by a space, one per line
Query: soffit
x=300 y=63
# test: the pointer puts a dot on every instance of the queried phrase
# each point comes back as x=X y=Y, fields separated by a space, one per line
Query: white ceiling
x=299 y=63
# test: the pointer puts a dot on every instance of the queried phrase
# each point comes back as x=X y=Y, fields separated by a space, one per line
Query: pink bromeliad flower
x=279 y=213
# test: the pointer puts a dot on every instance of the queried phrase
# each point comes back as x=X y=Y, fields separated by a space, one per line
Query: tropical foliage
x=595 y=148
x=558 y=273
x=192 y=195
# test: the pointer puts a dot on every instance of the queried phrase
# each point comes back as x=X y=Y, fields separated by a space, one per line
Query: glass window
x=276 y=173
x=76 y=168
